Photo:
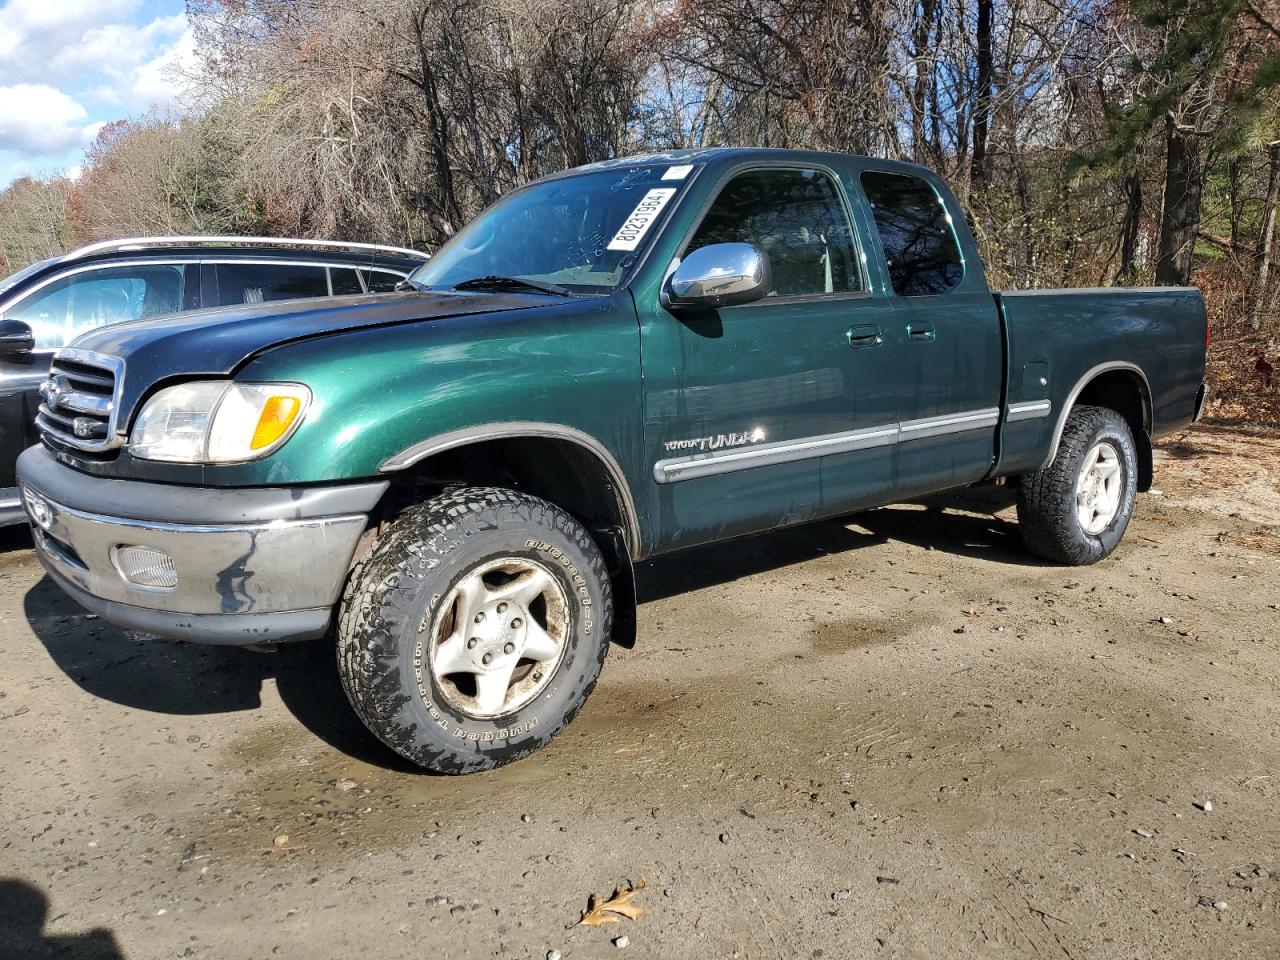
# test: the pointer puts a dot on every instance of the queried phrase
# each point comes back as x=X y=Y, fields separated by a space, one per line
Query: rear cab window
x=798 y=217
x=916 y=232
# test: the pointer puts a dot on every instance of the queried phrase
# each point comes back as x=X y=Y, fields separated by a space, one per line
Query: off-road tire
x=413 y=565
x=1047 y=515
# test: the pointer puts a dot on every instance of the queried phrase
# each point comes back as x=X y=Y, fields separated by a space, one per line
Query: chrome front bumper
x=231 y=573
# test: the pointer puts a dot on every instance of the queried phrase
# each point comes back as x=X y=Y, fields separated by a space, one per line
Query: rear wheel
x=1075 y=511
x=475 y=629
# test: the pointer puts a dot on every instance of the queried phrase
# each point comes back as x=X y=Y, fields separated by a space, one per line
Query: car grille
x=80 y=401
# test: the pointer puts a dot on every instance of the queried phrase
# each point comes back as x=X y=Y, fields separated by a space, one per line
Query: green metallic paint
x=637 y=377
x=1065 y=334
x=576 y=363
x=774 y=370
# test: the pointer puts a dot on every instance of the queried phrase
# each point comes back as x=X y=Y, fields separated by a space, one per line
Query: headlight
x=217 y=421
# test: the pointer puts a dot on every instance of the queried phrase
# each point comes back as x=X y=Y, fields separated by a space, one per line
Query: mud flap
x=1146 y=466
x=622 y=575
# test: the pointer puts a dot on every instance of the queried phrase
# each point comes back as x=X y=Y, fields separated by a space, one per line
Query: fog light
x=38 y=509
x=145 y=567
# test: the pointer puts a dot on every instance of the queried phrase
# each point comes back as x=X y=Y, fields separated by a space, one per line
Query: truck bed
x=1059 y=343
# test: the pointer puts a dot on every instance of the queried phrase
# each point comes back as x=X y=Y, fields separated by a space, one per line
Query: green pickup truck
x=612 y=363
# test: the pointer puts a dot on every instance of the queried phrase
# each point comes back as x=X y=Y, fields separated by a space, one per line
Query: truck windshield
x=581 y=233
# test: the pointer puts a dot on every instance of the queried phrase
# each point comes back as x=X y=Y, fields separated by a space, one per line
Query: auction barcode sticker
x=642 y=217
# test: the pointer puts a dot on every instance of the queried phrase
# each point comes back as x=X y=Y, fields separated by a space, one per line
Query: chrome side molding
x=951 y=423
x=1028 y=410
x=788 y=451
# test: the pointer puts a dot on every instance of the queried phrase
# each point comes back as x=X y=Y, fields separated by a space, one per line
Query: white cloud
x=162 y=80
x=35 y=35
x=96 y=53
x=69 y=66
x=37 y=120
x=135 y=67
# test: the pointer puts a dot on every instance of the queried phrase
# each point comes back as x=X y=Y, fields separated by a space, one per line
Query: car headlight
x=217 y=421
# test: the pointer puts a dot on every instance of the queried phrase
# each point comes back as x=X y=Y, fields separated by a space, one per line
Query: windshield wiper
x=497 y=282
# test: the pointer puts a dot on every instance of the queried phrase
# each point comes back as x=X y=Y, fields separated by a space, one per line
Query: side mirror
x=720 y=275
x=15 y=338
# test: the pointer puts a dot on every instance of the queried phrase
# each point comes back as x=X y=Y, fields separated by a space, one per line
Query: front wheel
x=1076 y=510
x=475 y=629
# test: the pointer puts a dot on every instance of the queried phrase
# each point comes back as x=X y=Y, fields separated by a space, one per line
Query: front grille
x=81 y=398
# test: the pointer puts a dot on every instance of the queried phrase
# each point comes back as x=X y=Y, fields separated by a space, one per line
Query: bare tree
x=33 y=221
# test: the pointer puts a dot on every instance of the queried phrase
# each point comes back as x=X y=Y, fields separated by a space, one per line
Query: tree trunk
x=1235 y=199
x=982 y=99
x=1180 y=221
x=1261 y=282
x=921 y=31
x=1132 y=228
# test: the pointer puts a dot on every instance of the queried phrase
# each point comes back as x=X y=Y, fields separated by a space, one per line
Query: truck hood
x=216 y=342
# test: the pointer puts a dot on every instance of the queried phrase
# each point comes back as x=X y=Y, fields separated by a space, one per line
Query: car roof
x=286 y=250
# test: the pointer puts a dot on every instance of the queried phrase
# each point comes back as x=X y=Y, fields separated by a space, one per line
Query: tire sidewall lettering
x=436 y=555
x=581 y=590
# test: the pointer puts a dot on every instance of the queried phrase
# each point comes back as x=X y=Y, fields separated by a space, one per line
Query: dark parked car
x=47 y=305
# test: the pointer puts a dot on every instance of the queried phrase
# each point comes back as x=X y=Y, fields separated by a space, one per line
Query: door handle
x=921 y=331
x=867 y=335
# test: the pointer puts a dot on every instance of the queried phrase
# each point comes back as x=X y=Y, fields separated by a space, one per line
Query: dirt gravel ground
x=891 y=737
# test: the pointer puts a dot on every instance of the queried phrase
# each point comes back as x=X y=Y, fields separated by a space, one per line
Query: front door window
x=798 y=218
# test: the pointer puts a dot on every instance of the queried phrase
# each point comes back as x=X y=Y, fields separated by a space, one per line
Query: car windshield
x=9 y=282
x=580 y=233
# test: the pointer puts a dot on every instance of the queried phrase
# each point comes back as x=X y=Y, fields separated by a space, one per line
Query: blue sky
x=69 y=66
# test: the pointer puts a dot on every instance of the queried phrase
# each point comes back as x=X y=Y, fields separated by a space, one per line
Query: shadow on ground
x=169 y=676
x=166 y=676
x=963 y=523
x=24 y=909
x=15 y=537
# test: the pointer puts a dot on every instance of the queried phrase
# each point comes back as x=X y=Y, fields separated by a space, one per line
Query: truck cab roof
x=732 y=156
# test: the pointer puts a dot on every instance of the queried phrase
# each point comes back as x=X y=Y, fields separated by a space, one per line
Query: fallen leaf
x=600 y=912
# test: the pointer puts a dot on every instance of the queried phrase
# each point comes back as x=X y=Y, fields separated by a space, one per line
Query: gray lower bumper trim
x=172 y=503
x=241 y=630
x=243 y=582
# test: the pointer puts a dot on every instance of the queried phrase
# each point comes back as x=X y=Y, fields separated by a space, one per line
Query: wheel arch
x=1120 y=386
x=553 y=461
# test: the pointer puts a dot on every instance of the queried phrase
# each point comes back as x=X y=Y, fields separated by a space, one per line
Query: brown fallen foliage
x=600 y=912
x=1238 y=393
